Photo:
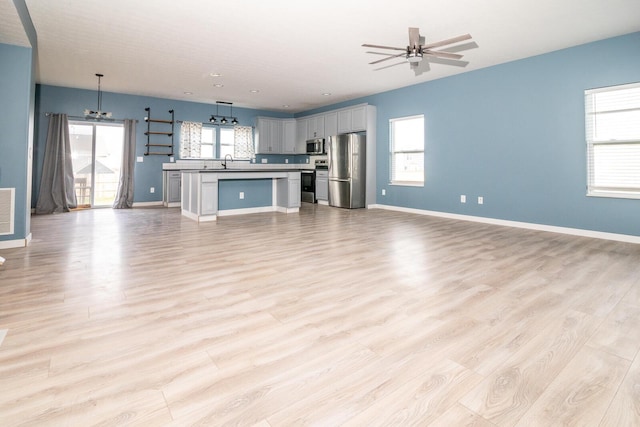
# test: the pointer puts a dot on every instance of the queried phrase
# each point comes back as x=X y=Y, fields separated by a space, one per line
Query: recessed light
x=188 y=93
x=285 y=106
x=215 y=75
x=218 y=85
x=326 y=94
x=254 y=91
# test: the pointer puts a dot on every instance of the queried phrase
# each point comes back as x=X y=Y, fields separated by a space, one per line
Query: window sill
x=613 y=195
x=407 y=183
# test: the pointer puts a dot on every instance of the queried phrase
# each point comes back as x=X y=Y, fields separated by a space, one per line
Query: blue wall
x=15 y=108
x=514 y=134
x=55 y=99
x=257 y=193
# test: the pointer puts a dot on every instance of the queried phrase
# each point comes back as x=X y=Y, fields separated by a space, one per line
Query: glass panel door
x=108 y=161
x=81 y=136
x=96 y=150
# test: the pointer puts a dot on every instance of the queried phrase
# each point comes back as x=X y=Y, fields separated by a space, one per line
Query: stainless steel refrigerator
x=347 y=168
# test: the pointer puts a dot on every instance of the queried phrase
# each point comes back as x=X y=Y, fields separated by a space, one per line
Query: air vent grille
x=7 y=202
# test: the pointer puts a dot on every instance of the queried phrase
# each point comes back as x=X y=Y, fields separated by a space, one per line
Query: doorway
x=96 y=152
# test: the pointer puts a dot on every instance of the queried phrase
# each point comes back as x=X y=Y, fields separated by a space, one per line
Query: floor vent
x=7 y=210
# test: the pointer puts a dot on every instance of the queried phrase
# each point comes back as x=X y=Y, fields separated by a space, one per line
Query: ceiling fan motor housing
x=414 y=54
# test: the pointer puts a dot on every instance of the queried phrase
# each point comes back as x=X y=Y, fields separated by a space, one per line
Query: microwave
x=315 y=146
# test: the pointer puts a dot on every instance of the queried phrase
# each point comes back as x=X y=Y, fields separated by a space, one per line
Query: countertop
x=216 y=166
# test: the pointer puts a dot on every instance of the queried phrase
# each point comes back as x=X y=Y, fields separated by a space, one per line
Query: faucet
x=224 y=162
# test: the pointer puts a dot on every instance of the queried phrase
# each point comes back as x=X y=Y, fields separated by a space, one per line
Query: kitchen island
x=200 y=199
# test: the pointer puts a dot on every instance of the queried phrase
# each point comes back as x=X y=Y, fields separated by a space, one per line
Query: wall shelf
x=163 y=149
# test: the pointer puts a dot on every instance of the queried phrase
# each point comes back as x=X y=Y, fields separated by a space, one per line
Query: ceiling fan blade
x=447 y=41
x=384 y=47
x=389 y=66
x=387 y=58
x=414 y=36
x=442 y=54
x=379 y=53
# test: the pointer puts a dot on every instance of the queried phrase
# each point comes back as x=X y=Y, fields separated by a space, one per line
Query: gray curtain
x=124 y=197
x=56 y=184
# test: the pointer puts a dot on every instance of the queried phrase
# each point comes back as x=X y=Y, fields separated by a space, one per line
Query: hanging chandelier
x=217 y=118
x=98 y=114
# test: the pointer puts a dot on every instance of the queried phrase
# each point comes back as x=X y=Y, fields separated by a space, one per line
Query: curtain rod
x=211 y=124
x=89 y=118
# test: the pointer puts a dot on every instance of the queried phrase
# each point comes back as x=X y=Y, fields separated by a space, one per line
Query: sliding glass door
x=96 y=150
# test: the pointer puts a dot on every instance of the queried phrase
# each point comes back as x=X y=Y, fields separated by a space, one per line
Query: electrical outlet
x=286 y=160
x=480 y=200
x=384 y=192
x=139 y=159
x=171 y=159
x=152 y=190
x=463 y=198
x=241 y=195
x=263 y=160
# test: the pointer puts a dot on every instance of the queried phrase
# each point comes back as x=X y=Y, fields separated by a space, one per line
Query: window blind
x=612 y=119
x=407 y=150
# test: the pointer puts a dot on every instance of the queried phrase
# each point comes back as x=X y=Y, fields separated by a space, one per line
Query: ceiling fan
x=418 y=48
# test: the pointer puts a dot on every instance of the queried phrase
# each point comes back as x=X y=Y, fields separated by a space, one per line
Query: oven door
x=308 y=186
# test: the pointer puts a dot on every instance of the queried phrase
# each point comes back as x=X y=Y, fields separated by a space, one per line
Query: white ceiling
x=292 y=51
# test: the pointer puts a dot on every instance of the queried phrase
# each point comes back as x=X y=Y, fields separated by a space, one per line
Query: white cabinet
x=171 y=188
x=276 y=136
x=344 y=121
x=322 y=185
x=289 y=128
x=352 y=119
x=302 y=126
x=359 y=118
x=330 y=124
x=315 y=127
x=269 y=136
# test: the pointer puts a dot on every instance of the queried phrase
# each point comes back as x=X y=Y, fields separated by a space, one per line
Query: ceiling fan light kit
x=417 y=49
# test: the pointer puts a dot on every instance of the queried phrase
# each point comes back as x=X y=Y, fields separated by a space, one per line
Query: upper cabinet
x=268 y=135
x=275 y=136
x=330 y=124
x=289 y=136
x=315 y=127
x=352 y=119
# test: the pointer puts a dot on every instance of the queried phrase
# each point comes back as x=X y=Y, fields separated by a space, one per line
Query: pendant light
x=98 y=114
x=223 y=119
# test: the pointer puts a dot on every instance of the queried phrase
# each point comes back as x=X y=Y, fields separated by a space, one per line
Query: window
x=208 y=143
x=407 y=150
x=227 y=142
x=612 y=117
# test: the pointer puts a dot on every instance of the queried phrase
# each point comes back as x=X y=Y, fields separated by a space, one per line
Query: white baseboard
x=17 y=243
x=506 y=223
x=323 y=202
x=145 y=204
x=244 y=211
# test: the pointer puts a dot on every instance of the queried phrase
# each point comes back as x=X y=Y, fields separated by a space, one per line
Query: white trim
x=287 y=210
x=244 y=211
x=17 y=243
x=172 y=204
x=506 y=223
x=323 y=202
x=144 y=204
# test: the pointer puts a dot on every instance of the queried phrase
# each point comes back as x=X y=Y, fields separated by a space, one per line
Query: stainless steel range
x=308 y=177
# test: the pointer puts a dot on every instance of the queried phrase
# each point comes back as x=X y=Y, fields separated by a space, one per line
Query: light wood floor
x=328 y=317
